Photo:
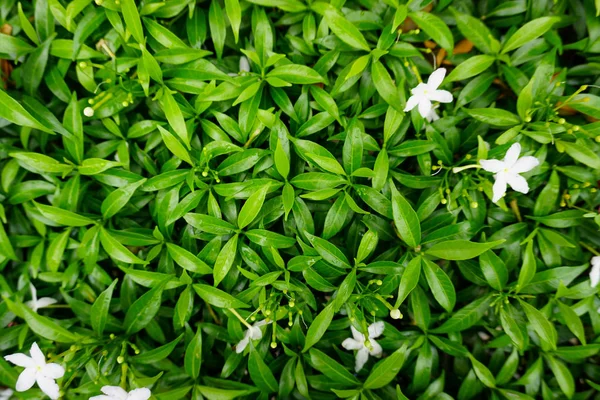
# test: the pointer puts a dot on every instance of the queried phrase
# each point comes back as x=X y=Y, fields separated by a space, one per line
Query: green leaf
x=318 y=327
x=144 y=309
x=386 y=370
x=43 y=326
x=157 y=354
x=132 y=20
x=187 y=260
x=528 y=268
x=385 y=85
x=583 y=154
x=261 y=374
x=296 y=74
x=119 y=198
x=405 y=218
x=252 y=207
x=528 y=32
x=466 y=317
x=434 y=27
x=345 y=30
x=460 y=249
x=440 y=284
x=13 y=112
x=573 y=322
x=234 y=13
x=540 y=324
x=562 y=374
x=63 y=217
x=494 y=270
x=225 y=259
x=175 y=146
x=494 y=116
x=409 y=279
x=331 y=368
x=116 y=250
x=192 y=360
x=217 y=298
x=482 y=372
x=471 y=67
x=477 y=32
x=328 y=251
x=100 y=309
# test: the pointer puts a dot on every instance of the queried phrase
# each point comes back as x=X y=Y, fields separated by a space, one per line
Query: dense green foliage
x=237 y=199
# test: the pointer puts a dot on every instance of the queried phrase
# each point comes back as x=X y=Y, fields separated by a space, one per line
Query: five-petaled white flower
x=425 y=93
x=118 y=393
x=36 y=303
x=357 y=342
x=6 y=394
x=507 y=171
x=595 y=272
x=36 y=370
x=253 y=333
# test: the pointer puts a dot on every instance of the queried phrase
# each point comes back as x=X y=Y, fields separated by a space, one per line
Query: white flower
x=357 y=342
x=253 y=333
x=118 y=393
x=6 y=394
x=425 y=93
x=595 y=272
x=36 y=370
x=507 y=171
x=244 y=64
x=432 y=116
x=88 y=112
x=36 y=303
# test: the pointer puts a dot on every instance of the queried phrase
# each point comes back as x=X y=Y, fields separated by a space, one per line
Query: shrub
x=287 y=199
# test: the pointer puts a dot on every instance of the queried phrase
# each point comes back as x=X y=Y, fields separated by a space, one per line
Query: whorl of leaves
x=171 y=169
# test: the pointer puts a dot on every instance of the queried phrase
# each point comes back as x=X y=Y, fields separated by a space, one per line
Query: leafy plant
x=370 y=199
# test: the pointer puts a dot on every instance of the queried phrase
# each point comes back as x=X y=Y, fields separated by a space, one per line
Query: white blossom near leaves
x=35 y=304
x=37 y=370
x=118 y=393
x=358 y=342
x=424 y=93
x=6 y=394
x=253 y=333
x=244 y=64
x=507 y=171
x=595 y=271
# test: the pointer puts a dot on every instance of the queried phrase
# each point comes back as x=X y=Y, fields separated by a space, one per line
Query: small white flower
x=36 y=370
x=88 y=112
x=36 y=303
x=595 y=271
x=6 y=394
x=425 y=93
x=244 y=64
x=433 y=116
x=118 y=393
x=357 y=342
x=507 y=171
x=253 y=333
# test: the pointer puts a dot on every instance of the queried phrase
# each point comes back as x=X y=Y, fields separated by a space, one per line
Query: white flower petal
x=432 y=116
x=512 y=155
x=352 y=344
x=116 y=392
x=37 y=355
x=436 y=78
x=242 y=344
x=412 y=102
x=255 y=333
x=45 y=302
x=595 y=261
x=48 y=386
x=53 y=371
x=244 y=64
x=499 y=188
x=492 y=165
x=102 y=397
x=376 y=329
x=361 y=358
x=443 y=96
x=32 y=305
x=26 y=379
x=376 y=349
x=20 y=360
x=424 y=107
x=525 y=164
x=358 y=336
x=33 y=291
x=517 y=182
x=595 y=274
x=139 y=394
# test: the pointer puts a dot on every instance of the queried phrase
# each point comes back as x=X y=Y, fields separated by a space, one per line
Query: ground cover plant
x=365 y=199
